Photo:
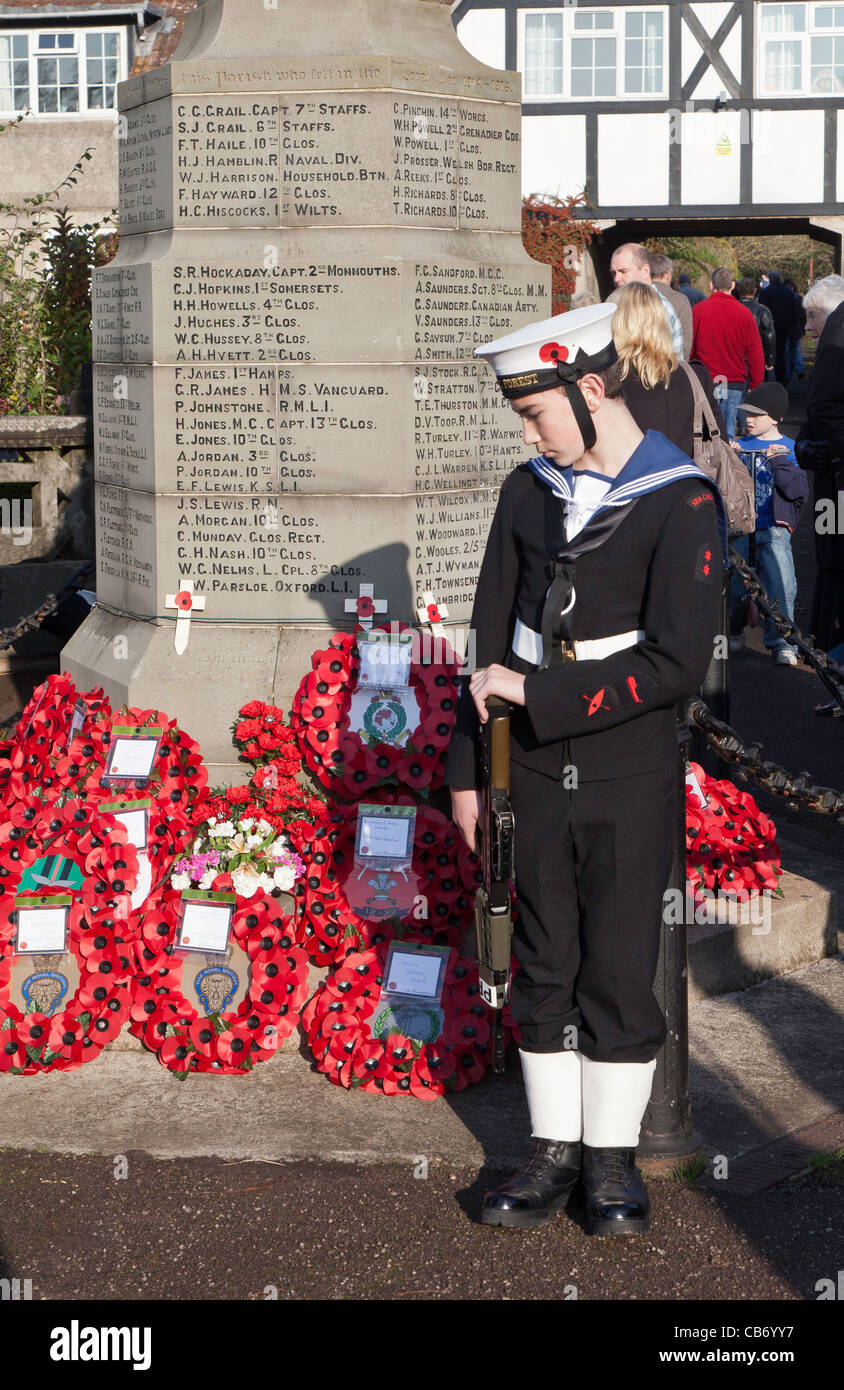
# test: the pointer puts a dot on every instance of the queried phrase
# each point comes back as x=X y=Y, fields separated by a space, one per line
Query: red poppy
x=175 y=1052
x=234 y=1046
x=435 y=1063
x=399 y=1050
x=382 y=761
x=107 y=1026
x=12 y=1051
x=66 y=1033
x=343 y=1038
x=203 y=1037
x=467 y=1029
x=370 y=1060
x=469 y=1068
x=416 y=770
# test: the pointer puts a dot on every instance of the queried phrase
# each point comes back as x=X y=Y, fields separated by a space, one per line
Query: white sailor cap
x=555 y=352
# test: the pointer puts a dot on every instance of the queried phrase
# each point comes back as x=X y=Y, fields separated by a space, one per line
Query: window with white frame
x=597 y=54
x=543 y=49
x=54 y=73
x=801 y=50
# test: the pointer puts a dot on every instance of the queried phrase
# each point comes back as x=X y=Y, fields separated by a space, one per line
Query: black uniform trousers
x=592 y=863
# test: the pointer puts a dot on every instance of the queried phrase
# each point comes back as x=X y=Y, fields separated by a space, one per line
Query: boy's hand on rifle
x=466 y=813
x=496 y=680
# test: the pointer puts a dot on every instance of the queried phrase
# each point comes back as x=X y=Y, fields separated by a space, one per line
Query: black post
x=715 y=690
x=667 y=1124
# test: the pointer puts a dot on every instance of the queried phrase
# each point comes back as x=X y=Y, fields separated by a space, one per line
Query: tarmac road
x=207 y=1229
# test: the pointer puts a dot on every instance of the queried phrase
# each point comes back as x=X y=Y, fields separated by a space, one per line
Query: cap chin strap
x=570 y=373
x=582 y=414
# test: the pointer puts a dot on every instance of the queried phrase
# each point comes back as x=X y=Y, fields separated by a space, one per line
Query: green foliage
x=796 y=256
x=690 y=1171
x=45 y=298
x=828 y=1165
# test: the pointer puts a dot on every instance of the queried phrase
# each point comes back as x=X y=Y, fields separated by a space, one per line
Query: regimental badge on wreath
x=384 y=720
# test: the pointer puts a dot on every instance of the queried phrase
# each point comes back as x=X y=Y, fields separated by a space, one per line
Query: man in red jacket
x=726 y=340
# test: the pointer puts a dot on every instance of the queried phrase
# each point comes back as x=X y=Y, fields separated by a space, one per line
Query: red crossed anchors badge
x=595 y=701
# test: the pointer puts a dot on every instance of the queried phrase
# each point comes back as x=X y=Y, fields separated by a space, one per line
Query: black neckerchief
x=555 y=618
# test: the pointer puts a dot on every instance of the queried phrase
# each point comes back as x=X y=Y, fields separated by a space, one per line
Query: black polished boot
x=616 y=1197
x=545 y=1183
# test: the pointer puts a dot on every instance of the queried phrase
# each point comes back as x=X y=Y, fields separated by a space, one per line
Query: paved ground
x=207 y=1229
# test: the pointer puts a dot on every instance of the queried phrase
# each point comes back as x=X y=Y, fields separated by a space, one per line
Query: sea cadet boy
x=596 y=610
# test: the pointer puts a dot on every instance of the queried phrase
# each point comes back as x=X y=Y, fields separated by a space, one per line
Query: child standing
x=781 y=490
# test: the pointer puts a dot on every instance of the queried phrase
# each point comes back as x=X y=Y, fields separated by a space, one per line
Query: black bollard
x=667 y=1124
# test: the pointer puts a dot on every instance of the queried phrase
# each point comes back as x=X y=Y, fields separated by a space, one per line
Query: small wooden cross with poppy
x=366 y=606
x=185 y=601
x=429 y=611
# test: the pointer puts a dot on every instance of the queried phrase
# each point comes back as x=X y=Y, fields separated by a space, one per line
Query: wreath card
x=410 y=1002
x=384 y=838
x=131 y=753
x=385 y=659
x=206 y=921
x=42 y=924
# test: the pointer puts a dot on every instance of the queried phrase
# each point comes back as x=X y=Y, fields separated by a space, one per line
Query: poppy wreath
x=731 y=846
x=227 y=1043
x=274 y=792
x=99 y=935
x=41 y=751
x=337 y=1025
x=445 y=870
x=342 y=759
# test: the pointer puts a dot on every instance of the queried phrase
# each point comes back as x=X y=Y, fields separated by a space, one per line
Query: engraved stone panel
x=320 y=221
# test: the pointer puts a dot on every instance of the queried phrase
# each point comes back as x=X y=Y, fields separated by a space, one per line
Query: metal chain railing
x=831 y=674
x=797 y=787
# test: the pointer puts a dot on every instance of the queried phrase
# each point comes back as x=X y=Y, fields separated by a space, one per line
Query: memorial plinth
x=320 y=220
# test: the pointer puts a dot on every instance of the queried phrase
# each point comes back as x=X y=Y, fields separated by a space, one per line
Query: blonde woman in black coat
x=656 y=389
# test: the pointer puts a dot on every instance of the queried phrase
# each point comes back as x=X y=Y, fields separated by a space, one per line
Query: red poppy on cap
x=553 y=352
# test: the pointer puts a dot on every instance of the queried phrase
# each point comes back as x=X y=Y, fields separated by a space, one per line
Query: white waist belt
x=528 y=644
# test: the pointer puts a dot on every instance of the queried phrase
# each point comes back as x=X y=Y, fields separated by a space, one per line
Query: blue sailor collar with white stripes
x=655 y=463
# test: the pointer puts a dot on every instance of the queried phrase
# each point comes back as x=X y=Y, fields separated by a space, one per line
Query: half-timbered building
x=687 y=114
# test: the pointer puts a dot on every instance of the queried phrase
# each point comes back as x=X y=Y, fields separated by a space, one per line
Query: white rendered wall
x=788 y=156
x=710 y=172
x=553 y=155
x=633 y=159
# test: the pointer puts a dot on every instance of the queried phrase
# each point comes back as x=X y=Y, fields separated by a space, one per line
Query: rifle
x=493 y=916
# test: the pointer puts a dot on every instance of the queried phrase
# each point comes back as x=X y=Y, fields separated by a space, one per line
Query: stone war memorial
x=320 y=219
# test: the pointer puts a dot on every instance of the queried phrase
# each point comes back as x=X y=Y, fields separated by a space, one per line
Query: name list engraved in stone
x=226 y=164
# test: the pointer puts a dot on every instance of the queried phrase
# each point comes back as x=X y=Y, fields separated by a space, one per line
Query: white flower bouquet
x=255 y=855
